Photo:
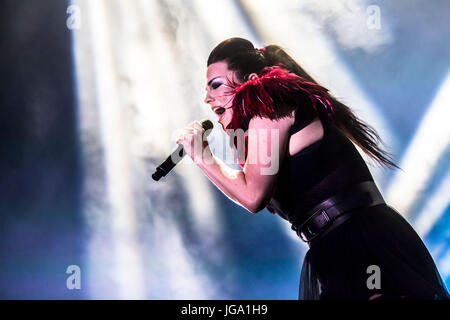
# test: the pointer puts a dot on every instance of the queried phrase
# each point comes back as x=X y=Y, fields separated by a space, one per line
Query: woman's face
x=218 y=92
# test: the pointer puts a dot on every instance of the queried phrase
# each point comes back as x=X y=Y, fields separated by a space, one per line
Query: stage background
x=93 y=95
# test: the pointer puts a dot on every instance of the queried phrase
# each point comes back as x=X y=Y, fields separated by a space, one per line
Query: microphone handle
x=168 y=164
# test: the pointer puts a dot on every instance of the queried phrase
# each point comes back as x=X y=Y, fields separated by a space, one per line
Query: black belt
x=332 y=212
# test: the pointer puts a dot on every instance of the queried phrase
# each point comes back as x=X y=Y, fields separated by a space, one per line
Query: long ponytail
x=358 y=131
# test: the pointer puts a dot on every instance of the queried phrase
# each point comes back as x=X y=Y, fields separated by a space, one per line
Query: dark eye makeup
x=215 y=85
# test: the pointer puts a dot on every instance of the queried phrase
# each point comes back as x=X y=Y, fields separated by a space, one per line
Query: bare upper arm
x=267 y=146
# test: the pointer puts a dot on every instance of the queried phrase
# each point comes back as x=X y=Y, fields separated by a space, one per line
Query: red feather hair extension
x=275 y=94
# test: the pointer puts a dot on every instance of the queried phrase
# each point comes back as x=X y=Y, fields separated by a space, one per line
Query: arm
x=252 y=187
x=230 y=181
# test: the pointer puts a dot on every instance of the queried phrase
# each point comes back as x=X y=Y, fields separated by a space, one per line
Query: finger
x=188 y=131
x=183 y=136
x=197 y=125
x=197 y=131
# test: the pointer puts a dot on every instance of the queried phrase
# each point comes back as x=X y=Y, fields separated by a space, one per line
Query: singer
x=359 y=246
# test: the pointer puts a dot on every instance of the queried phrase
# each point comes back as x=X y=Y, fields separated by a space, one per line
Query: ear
x=252 y=76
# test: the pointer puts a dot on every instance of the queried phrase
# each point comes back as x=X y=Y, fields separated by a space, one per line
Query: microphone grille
x=207 y=124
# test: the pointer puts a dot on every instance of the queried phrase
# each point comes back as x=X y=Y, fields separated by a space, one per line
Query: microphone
x=168 y=164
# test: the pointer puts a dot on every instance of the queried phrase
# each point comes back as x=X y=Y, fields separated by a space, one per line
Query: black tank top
x=317 y=171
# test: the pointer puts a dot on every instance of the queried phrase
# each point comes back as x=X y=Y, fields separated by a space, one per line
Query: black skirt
x=376 y=251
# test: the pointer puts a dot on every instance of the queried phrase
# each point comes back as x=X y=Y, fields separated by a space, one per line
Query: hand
x=193 y=143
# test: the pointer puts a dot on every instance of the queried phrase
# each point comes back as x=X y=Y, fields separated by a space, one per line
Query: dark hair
x=243 y=58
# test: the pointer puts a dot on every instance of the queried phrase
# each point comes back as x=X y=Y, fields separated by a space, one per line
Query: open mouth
x=219 y=111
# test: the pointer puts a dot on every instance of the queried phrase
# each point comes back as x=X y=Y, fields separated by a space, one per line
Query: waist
x=335 y=210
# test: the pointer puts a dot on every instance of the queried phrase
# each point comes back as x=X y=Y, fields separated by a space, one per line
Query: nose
x=208 y=98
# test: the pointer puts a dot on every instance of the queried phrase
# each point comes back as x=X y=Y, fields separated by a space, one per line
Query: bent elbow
x=257 y=200
x=257 y=206
x=253 y=210
x=252 y=207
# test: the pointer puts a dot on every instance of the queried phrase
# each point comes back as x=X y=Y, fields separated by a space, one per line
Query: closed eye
x=215 y=85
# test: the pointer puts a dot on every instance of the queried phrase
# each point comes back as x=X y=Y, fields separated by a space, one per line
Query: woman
x=360 y=248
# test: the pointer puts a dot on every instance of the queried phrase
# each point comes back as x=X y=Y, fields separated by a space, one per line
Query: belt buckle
x=312 y=233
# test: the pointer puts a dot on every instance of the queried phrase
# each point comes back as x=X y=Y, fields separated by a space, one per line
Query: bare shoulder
x=297 y=141
x=305 y=137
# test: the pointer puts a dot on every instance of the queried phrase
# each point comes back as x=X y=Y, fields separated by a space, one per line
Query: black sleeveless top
x=317 y=171
x=334 y=268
